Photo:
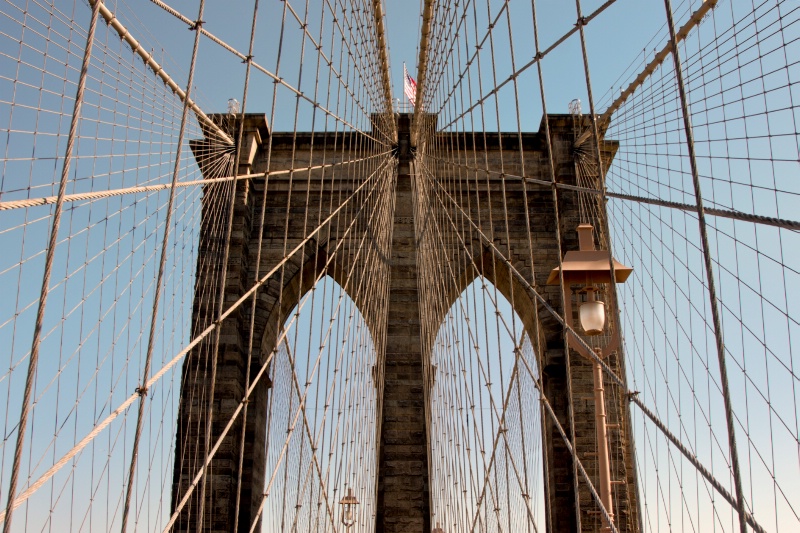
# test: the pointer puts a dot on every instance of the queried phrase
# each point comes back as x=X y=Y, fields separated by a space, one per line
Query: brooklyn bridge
x=257 y=277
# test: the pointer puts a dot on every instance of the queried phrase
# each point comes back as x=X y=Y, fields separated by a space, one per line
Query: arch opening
x=321 y=413
x=486 y=468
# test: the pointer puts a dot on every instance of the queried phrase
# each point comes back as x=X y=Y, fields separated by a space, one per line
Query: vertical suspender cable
x=254 y=302
x=422 y=67
x=383 y=56
x=712 y=289
x=48 y=268
x=142 y=390
x=603 y=221
x=554 y=188
x=221 y=291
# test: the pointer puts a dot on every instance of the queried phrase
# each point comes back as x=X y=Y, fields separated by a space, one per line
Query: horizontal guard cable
x=631 y=395
x=277 y=79
x=166 y=368
x=124 y=34
x=527 y=65
x=47 y=200
x=783 y=223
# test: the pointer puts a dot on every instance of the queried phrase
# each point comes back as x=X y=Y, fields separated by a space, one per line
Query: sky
x=619 y=41
x=616 y=40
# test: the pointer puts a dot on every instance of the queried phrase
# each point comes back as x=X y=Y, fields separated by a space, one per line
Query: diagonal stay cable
x=262 y=69
x=194 y=342
x=124 y=34
x=563 y=434
x=783 y=223
x=282 y=337
x=501 y=416
x=47 y=200
x=50 y=256
x=527 y=65
x=616 y=379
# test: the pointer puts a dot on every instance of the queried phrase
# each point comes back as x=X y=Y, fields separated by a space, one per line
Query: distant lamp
x=589 y=267
x=348 y=504
x=437 y=529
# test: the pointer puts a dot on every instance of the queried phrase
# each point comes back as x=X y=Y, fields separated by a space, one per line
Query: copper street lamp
x=587 y=268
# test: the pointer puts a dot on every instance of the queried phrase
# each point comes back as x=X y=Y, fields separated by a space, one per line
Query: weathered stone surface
x=403 y=491
x=521 y=223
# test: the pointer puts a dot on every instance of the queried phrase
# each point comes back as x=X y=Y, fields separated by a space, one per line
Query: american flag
x=409 y=86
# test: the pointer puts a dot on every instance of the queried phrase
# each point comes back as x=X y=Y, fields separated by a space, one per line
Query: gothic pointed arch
x=299 y=278
x=490 y=266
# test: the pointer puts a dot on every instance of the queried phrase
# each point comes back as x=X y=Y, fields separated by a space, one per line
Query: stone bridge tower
x=403 y=499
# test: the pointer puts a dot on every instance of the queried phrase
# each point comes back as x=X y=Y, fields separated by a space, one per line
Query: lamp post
x=437 y=529
x=589 y=267
x=348 y=504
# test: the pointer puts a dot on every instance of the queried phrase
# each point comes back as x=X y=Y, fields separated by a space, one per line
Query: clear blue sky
x=621 y=36
x=627 y=28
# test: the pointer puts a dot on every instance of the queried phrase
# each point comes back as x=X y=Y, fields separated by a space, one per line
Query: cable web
x=702 y=433
x=740 y=73
x=276 y=314
x=158 y=325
